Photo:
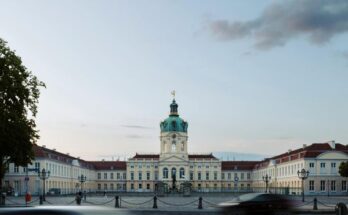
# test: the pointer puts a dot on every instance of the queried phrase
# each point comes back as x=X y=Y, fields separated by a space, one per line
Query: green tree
x=19 y=94
x=343 y=169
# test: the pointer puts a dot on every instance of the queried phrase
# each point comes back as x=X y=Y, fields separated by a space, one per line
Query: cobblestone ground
x=169 y=203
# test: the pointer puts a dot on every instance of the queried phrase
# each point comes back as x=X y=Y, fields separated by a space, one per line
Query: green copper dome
x=174 y=122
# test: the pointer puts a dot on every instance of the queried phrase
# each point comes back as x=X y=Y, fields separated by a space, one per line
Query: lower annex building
x=206 y=173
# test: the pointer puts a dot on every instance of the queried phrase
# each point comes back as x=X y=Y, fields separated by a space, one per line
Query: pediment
x=173 y=158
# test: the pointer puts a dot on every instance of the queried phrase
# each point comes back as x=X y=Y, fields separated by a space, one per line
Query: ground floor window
x=105 y=186
x=333 y=185
x=140 y=186
x=132 y=186
x=322 y=185
x=99 y=186
x=199 y=186
x=112 y=186
x=148 y=186
x=311 y=185
x=344 y=185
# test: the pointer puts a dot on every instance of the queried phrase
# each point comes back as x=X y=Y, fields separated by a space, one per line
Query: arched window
x=165 y=172
x=182 y=172
x=173 y=146
x=173 y=172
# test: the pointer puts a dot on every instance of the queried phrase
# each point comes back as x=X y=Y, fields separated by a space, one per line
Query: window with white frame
x=322 y=185
x=344 y=185
x=333 y=186
x=311 y=185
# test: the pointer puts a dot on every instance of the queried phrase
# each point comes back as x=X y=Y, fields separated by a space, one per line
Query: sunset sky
x=250 y=76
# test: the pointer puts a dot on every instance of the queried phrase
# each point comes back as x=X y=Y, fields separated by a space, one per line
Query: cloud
x=137 y=126
x=319 y=20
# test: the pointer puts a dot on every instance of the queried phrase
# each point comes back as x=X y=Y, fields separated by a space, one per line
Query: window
x=248 y=175
x=16 y=168
x=199 y=186
x=111 y=175
x=191 y=176
x=215 y=186
x=140 y=186
x=140 y=176
x=182 y=172
x=207 y=176
x=148 y=186
x=124 y=176
x=235 y=175
x=311 y=165
x=322 y=185
x=199 y=176
x=148 y=176
x=118 y=175
x=322 y=165
x=105 y=186
x=105 y=176
x=215 y=175
x=156 y=175
x=311 y=185
x=344 y=185
x=333 y=165
x=132 y=176
x=111 y=186
x=99 y=175
x=132 y=186
x=165 y=172
x=242 y=176
x=37 y=165
x=173 y=172
x=207 y=167
x=333 y=185
x=99 y=186
x=229 y=175
x=140 y=166
x=173 y=146
x=222 y=176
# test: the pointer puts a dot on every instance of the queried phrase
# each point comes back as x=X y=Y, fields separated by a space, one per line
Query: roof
x=238 y=165
x=43 y=152
x=109 y=165
x=310 y=151
x=146 y=156
x=202 y=156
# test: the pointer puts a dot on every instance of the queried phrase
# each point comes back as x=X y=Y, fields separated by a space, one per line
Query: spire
x=174 y=108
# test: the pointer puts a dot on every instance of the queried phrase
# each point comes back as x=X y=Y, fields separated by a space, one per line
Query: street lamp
x=82 y=179
x=43 y=175
x=303 y=175
x=266 y=179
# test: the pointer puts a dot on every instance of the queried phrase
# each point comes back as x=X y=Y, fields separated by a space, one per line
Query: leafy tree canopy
x=19 y=94
x=343 y=169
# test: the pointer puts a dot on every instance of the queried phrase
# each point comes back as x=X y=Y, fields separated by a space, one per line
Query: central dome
x=174 y=122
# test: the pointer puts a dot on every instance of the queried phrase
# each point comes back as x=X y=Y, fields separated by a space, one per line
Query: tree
x=343 y=169
x=19 y=94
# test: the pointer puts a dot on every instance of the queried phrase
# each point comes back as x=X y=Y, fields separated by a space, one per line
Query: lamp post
x=266 y=179
x=303 y=175
x=82 y=179
x=43 y=175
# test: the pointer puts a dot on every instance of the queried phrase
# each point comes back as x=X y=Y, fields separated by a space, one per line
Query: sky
x=256 y=77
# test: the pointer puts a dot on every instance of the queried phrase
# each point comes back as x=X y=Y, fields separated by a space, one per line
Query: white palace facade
x=206 y=173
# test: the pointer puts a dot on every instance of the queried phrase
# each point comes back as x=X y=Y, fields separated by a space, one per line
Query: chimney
x=332 y=144
x=54 y=149
x=304 y=145
x=43 y=146
x=289 y=151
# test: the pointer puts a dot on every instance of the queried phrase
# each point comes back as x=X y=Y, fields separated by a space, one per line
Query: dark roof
x=109 y=165
x=238 y=165
x=310 y=151
x=202 y=156
x=146 y=156
x=43 y=152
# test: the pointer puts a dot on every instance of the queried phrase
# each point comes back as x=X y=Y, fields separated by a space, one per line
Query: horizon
x=244 y=82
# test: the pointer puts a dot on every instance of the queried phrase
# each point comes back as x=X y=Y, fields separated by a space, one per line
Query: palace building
x=174 y=166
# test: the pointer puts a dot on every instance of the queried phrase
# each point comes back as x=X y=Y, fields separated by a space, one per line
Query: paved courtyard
x=169 y=203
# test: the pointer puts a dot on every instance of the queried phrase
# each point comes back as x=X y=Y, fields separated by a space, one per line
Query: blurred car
x=259 y=203
x=54 y=191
